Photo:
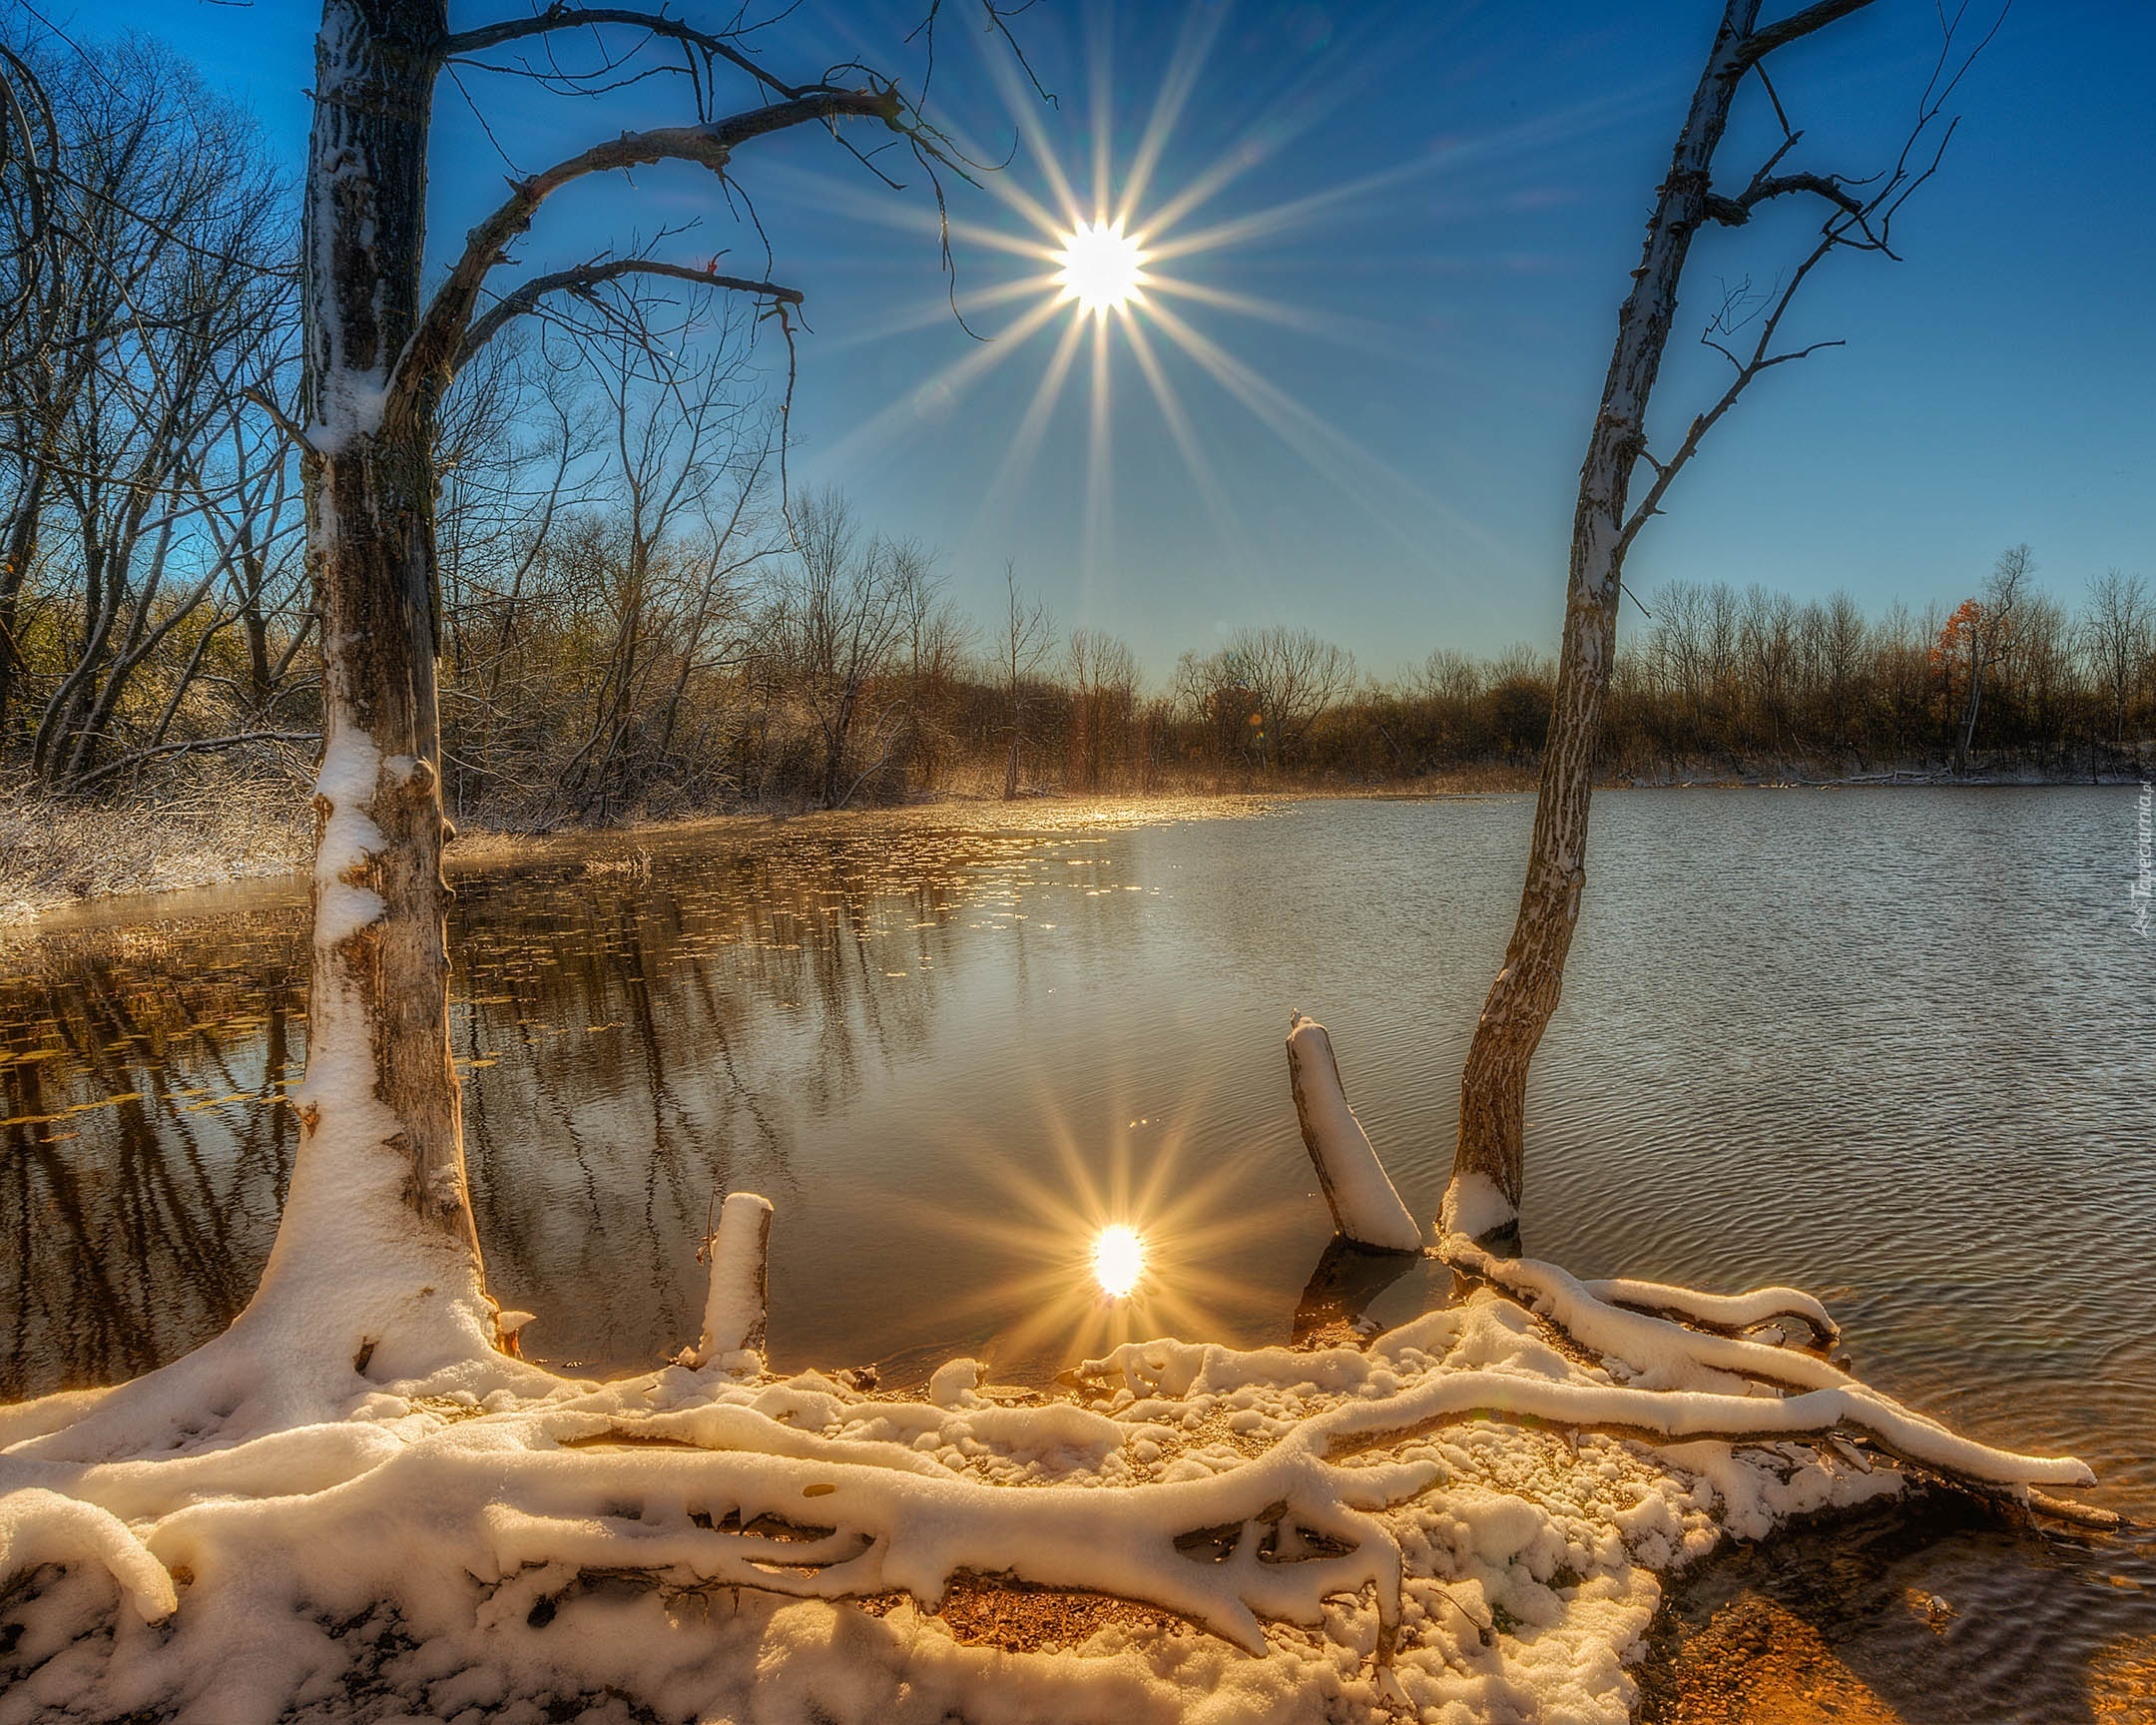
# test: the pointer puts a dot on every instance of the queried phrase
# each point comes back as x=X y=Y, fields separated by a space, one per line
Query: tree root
x=1828 y=1403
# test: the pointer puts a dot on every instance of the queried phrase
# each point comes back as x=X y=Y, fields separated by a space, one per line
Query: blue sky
x=1438 y=204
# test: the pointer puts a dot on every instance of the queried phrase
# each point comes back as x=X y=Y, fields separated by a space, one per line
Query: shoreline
x=56 y=859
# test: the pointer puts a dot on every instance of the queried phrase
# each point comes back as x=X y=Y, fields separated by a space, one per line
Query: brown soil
x=1757 y=1663
x=1018 y=1617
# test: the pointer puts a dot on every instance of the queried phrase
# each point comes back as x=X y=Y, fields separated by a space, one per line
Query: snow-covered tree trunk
x=1484 y=1194
x=380 y=1182
x=1366 y=1208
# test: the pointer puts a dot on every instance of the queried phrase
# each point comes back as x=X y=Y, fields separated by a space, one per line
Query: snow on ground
x=1428 y=1528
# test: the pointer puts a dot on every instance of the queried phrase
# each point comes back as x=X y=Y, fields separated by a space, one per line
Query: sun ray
x=1200 y=26
x=1103 y=88
x=1329 y=451
x=1100 y=471
x=828 y=193
x=927 y=313
x=1026 y=112
x=1279 y=311
x=962 y=372
x=1357 y=335
x=1210 y=491
x=1025 y=443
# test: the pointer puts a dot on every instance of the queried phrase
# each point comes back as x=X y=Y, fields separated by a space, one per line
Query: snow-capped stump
x=1365 y=1208
x=737 y=1300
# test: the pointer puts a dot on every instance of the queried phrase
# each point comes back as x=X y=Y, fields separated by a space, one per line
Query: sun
x=1102 y=268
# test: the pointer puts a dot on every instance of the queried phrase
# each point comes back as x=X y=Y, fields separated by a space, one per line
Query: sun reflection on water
x=1117 y=1260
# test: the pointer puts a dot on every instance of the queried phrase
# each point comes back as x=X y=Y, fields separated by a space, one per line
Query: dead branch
x=1762 y=42
x=440 y=338
x=465 y=43
x=581 y=280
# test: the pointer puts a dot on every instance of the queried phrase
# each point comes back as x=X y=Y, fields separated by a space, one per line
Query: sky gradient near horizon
x=1424 y=218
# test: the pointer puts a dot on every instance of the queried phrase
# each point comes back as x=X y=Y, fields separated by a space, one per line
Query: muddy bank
x=1924 y=1613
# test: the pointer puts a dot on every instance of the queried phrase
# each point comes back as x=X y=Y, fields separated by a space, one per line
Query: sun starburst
x=1102 y=267
x=1115 y=252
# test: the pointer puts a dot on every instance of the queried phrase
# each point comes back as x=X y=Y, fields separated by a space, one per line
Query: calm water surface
x=1898 y=1048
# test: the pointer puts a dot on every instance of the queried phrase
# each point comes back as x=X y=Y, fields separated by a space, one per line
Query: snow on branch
x=1730 y=1313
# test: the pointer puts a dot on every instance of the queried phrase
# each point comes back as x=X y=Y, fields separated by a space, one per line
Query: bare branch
x=439 y=340
x=1796 y=26
x=1736 y=212
x=1762 y=359
x=583 y=277
x=561 y=17
x=197 y=746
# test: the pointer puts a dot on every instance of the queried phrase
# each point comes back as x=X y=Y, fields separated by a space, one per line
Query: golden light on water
x=1112 y=1231
x=1117 y=1260
x=1102 y=267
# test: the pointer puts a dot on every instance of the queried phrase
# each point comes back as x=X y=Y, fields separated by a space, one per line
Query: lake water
x=1896 y=1047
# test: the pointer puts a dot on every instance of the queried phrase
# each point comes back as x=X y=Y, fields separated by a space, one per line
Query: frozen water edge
x=1312 y=1534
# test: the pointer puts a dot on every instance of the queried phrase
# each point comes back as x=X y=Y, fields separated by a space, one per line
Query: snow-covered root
x=39 y=1528
x=1366 y=1207
x=1661 y=1353
x=1268 y=1542
x=262 y=1377
x=1731 y=1313
x=1452 y=1469
x=1685 y=1373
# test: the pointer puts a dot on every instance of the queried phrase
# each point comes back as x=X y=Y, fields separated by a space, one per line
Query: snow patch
x=1450 y=1523
x=1476 y=1206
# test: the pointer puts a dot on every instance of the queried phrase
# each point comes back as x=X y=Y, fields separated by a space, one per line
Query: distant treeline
x=632 y=626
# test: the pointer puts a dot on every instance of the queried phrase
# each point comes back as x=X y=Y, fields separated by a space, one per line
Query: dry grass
x=58 y=854
x=53 y=854
x=1019 y=1617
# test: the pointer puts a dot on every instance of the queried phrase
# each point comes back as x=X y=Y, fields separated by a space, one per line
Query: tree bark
x=1484 y=1194
x=381 y=1160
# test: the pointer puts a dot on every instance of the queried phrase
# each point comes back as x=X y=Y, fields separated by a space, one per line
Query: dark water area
x=1897 y=1047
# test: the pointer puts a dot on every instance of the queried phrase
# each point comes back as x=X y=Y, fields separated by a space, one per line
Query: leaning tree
x=1857 y=215
x=376 y=1255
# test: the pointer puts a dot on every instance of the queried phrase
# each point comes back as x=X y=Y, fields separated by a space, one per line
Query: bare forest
x=636 y=626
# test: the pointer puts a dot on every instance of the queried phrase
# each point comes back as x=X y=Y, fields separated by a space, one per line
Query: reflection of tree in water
x=145 y=1147
x=652 y=1036
x=631 y=1043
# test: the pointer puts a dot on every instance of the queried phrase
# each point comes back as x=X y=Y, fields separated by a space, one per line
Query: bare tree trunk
x=381 y=1160
x=1967 y=740
x=1485 y=1193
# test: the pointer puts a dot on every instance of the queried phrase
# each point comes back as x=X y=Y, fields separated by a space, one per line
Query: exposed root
x=1829 y=1405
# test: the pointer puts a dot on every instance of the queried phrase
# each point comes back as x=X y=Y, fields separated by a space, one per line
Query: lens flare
x=1102 y=268
x=1117 y=1260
